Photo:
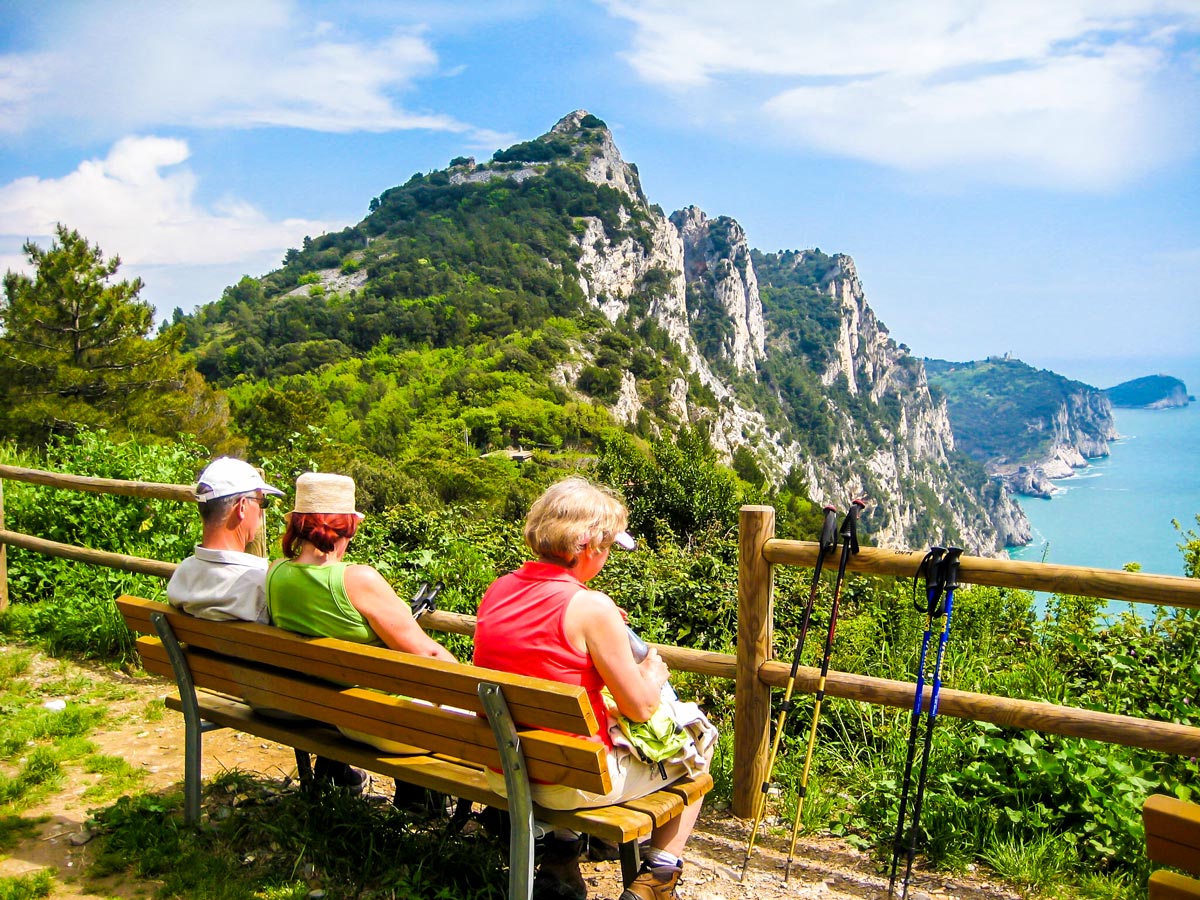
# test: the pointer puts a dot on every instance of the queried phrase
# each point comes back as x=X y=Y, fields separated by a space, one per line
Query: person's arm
x=388 y=615
x=594 y=624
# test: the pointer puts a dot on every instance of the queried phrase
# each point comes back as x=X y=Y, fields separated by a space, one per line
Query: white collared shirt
x=221 y=585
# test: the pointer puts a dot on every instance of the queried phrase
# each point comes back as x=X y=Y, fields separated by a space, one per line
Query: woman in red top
x=542 y=620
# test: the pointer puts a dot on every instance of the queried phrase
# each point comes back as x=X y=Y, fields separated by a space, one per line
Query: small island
x=1150 y=392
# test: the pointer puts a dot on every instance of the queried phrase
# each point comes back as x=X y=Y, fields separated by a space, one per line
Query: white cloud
x=122 y=66
x=139 y=203
x=1078 y=93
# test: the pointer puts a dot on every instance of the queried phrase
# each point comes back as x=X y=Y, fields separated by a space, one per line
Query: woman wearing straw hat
x=314 y=592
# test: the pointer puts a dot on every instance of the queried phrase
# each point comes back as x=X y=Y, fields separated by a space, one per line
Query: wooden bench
x=1172 y=839
x=463 y=718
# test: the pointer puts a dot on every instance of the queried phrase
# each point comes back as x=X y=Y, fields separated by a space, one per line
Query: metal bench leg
x=630 y=861
x=516 y=783
x=304 y=769
x=192 y=725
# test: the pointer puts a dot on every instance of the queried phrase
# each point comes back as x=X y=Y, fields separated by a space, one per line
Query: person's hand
x=654 y=669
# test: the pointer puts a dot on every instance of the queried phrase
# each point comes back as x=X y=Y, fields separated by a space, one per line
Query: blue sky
x=1012 y=176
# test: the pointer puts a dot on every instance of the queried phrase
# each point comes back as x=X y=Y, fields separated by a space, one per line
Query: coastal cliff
x=1025 y=425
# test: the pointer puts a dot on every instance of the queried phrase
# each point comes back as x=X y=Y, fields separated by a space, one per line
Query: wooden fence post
x=3 y=556
x=752 y=711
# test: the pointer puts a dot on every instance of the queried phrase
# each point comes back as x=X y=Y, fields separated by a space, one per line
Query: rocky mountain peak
x=722 y=281
x=595 y=147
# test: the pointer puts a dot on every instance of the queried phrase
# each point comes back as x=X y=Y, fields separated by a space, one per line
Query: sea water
x=1121 y=509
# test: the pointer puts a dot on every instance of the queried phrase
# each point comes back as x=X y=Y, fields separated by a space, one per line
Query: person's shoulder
x=362 y=574
x=590 y=599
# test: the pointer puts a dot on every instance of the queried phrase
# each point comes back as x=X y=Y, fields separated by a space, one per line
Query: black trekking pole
x=932 y=607
x=425 y=599
x=849 y=532
x=828 y=544
x=949 y=582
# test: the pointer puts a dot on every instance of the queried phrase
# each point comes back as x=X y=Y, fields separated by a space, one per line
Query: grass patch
x=153 y=711
x=119 y=777
x=27 y=887
x=268 y=839
x=14 y=829
x=34 y=723
x=13 y=663
x=40 y=772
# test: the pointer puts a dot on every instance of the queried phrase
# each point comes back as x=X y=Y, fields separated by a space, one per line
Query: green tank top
x=312 y=600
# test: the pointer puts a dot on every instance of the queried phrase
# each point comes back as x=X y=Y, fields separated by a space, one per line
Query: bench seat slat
x=1164 y=885
x=561 y=759
x=1172 y=832
x=532 y=702
x=614 y=823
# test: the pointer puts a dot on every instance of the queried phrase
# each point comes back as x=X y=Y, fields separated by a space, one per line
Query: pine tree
x=76 y=351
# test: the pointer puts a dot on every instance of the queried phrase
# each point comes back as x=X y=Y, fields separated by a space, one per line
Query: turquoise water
x=1119 y=510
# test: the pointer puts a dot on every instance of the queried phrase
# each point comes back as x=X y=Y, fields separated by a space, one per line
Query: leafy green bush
x=68 y=605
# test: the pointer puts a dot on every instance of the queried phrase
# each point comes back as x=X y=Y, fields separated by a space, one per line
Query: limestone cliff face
x=717 y=265
x=1079 y=427
x=695 y=277
x=914 y=452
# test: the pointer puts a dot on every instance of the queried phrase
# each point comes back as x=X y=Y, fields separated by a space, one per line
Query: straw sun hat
x=322 y=492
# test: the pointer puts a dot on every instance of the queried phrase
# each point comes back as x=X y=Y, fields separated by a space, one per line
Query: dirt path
x=824 y=867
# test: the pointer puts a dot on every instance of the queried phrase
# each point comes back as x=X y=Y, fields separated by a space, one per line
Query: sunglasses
x=262 y=500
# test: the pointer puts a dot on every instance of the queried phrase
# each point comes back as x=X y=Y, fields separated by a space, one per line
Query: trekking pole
x=829 y=538
x=849 y=546
x=931 y=566
x=425 y=599
x=949 y=582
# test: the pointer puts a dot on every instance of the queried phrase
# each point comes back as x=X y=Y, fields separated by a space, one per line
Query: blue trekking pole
x=849 y=532
x=949 y=581
x=829 y=539
x=932 y=607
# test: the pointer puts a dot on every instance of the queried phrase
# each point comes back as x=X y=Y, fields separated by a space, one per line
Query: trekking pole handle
x=829 y=533
x=950 y=569
x=425 y=599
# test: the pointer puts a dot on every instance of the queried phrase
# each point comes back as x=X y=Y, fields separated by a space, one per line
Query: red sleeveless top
x=519 y=629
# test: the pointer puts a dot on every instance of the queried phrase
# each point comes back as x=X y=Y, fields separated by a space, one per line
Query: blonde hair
x=572 y=514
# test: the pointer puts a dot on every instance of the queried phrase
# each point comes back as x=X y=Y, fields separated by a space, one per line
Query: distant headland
x=1150 y=392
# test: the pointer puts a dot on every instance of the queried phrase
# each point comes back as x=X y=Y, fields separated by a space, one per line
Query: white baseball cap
x=226 y=476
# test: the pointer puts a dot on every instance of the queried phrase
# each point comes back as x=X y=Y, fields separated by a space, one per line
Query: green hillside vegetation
x=1147 y=390
x=466 y=333
x=999 y=408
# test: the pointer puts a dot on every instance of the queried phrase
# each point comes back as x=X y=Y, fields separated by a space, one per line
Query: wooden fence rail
x=753 y=669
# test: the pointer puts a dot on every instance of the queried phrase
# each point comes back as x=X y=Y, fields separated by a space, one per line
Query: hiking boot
x=557 y=876
x=654 y=883
x=339 y=774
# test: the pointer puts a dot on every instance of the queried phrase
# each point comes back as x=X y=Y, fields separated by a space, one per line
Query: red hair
x=322 y=530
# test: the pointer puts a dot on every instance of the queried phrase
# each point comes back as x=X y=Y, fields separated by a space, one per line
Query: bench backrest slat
x=533 y=702
x=1172 y=832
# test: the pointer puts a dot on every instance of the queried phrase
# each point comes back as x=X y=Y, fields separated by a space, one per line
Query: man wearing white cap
x=221 y=580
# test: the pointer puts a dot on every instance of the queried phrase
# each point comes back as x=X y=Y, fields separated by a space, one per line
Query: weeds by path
x=268 y=838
